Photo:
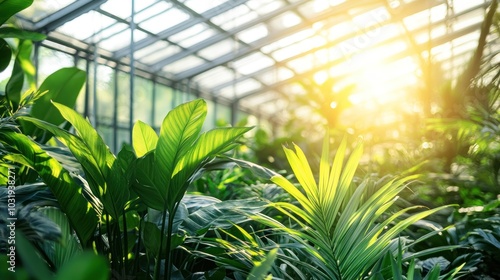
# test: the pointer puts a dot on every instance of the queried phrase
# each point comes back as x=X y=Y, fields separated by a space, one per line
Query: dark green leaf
x=84 y=267
x=179 y=131
x=12 y=7
x=62 y=86
x=5 y=55
x=80 y=213
x=223 y=214
x=22 y=67
x=11 y=32
x=33 y=263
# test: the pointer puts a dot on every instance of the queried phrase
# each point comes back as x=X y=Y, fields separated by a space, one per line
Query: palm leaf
x=342 y=219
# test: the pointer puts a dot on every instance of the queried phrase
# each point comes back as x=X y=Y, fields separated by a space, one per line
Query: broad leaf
x=211 y=143
x=62 y=86
x=179 y=131
x=23 y=67
x=81 y=215
x=12 y=32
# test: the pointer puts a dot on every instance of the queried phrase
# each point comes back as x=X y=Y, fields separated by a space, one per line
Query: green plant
x=346 y=227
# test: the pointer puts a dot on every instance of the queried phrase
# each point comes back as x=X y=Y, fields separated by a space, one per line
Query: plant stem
x=125 y=243
x=168 y=255
x=158 y=258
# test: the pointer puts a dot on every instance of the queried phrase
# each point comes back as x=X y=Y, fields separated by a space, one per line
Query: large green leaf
x=23 y=67
x=12 y=32
x=12 y=7
x=108 y=178
x=81 y=215
x=179 y=131
x=62 y=86
x=80 y=150
x=117 y=191
x=211 y=143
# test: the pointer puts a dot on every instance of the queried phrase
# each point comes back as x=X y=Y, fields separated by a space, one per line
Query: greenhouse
x=249 y=139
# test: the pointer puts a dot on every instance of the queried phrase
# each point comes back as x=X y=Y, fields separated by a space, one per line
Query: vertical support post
x=132 y=69
x=153 y=99
x=115 y=111
x=36 y=61
x=94 y=85
x=234 y=112
x=86 y=109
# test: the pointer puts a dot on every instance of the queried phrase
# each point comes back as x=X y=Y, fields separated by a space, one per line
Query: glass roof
x=253 y=51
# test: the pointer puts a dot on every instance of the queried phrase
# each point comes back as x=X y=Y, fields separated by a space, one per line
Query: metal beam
x=181 y=26
x=68 y=13
x=421 y=47
x=338 y=11
x=222 y=36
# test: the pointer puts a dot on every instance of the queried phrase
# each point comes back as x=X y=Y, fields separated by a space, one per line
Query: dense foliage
x=183 y=204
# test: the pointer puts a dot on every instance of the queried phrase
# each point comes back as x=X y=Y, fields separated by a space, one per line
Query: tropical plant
x=346 y=228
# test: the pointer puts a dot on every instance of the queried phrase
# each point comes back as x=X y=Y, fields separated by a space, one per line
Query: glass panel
x=296 y=37
x=252 y=63
x=275 y=75
x=156 y=52
x=123 y=137
x=51 y=61
x=183 y=64
x=121 y=40
x=223 y=115
x=219 y=49
x=86 y=25
x=240 y=89
x=164 y=20
x=253 y=34
x=192 y=35
x=152 y=11
x=105 y=94
x=234 y=17
x=80 y=101
x=163 y=104
x=143 y=100
x=263 y=7
x=123 y=112
x=285 y=20
x=123 y=8
x=214 y=77
x=203 y=6
x=106 y=132
x=43 y=8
